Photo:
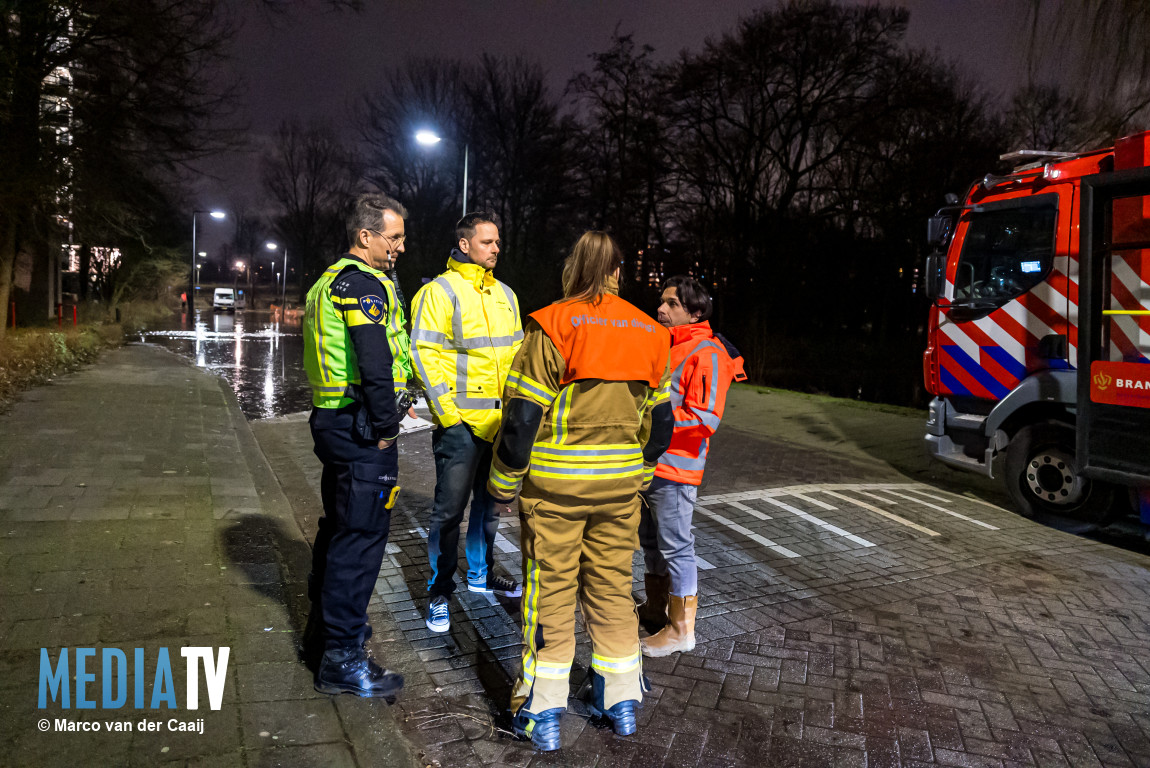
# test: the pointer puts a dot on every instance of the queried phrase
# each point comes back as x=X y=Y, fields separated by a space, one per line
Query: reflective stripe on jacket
x=588 y=447
x=702 y=373
x=465 y=332
x=329 y=356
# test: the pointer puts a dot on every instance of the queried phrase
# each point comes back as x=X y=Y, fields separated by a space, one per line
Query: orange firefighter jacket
x=597 y=372
x=702 y=371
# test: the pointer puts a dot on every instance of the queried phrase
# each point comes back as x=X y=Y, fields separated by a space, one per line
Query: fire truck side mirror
x=934 y=276
x=938 y=231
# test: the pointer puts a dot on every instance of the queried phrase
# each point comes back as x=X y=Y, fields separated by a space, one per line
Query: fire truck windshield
x=1005 y=253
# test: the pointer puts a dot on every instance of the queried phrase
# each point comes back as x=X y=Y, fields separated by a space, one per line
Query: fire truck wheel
x=1042 y=477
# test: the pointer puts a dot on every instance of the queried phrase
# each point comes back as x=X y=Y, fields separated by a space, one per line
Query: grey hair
x=367 y=213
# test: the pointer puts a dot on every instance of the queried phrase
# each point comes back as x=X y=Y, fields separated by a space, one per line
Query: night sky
x=313 y=62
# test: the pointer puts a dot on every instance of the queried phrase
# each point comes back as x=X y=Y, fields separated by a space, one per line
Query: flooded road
x=260 y=358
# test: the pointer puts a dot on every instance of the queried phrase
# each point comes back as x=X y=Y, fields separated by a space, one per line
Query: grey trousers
x=665 y=534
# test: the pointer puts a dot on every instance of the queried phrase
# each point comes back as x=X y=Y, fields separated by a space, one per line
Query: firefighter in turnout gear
x=356 y=356
x=586 y=415
x=703 y=368
x=466 y=331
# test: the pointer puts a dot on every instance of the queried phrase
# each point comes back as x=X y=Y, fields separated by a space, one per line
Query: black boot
x=312 y=652
x=350 y=670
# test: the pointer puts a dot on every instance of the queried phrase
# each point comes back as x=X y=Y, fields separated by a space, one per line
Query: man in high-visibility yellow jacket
x=355 y=355
x=465 y=333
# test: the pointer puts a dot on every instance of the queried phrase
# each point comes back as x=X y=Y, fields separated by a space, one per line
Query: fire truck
x=1039 y=333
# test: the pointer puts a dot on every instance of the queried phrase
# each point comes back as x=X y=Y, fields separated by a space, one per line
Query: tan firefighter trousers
x=585 y=552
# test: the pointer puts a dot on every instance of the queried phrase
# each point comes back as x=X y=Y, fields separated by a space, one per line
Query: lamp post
x=430 y=139
x=192 y=278
x=271 y=246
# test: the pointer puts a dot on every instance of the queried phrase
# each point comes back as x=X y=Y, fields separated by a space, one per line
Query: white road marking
x=750 y=510
x=816 y=502
x=703 y=564
x=929 y=496
x=976 y=500
x=820 y=523
x=882 y=512
x=504 y=545
x=944 y=510
x=831 y=489
x=746 y=532
x=878 y=498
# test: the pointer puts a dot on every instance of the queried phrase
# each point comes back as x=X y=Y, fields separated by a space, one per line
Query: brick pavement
x=137 y=511
x=849 y=615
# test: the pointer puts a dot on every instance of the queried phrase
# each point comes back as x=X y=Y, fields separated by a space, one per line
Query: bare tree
x=311 y=175
x=421 y=94
x=1043 y=117
x=518 y=153
x=523 y=164
x=86 y=86
x=623 y=151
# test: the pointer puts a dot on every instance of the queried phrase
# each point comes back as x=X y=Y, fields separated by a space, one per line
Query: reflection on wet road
x=261 y=359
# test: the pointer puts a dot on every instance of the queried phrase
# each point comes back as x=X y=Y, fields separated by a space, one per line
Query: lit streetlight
x=199 y=265
x=215 y=214
x=430 y=139
x=271 y=246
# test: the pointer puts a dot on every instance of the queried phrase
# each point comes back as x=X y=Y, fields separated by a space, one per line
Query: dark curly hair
x=692 y=295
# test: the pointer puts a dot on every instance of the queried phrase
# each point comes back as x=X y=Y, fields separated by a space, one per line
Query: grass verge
x=32 y=356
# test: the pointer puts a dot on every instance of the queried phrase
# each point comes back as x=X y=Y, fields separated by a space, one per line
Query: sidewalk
x=137 y=511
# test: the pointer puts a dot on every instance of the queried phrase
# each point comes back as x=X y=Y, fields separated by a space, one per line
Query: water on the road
x=260 y=358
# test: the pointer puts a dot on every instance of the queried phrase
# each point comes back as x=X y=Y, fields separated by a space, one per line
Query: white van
x=224 y=300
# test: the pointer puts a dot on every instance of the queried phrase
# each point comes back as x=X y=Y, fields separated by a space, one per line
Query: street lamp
x=271 y=247
x=430 y=139
x=192 y=278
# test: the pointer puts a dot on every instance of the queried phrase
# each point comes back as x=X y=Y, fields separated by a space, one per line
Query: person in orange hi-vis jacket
x=586 y=415
x=704 y=365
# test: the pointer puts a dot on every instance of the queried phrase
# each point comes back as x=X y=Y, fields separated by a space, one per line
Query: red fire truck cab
x=1039 y=336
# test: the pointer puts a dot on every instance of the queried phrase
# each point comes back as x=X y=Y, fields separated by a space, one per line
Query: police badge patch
x=372 y=306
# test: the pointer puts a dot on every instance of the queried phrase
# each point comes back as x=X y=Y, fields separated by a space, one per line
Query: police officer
x=355 y=350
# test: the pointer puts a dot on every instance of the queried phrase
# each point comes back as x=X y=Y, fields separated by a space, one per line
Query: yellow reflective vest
x=465 y=332
x=329 y=357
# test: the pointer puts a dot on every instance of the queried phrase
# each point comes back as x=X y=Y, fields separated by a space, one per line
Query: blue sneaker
x=541 y=728
x=500 y=585
x=438 y=617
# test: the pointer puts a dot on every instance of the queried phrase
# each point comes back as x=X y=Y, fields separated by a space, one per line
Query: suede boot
x=653 y=612
x=679 y=634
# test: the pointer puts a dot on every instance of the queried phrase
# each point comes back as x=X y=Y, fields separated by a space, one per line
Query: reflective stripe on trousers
x=554 y=540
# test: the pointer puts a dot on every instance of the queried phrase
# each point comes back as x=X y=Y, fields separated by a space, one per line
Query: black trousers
x=349 y=547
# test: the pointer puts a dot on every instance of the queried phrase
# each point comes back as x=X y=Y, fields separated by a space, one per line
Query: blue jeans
x=462 y=462
x=665 y=534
